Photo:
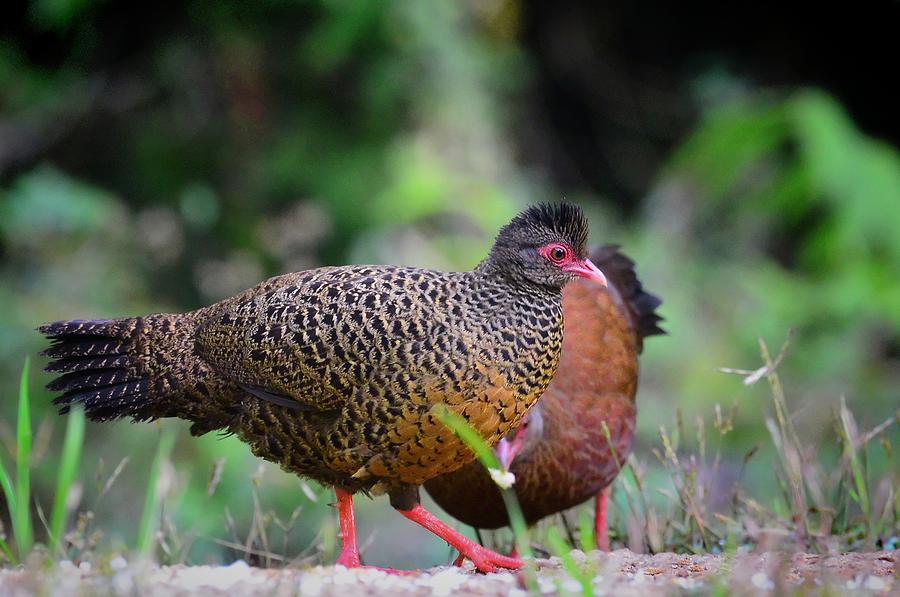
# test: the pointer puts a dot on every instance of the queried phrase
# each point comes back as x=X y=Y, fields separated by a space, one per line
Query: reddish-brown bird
x=340 y=373
x=560 y=455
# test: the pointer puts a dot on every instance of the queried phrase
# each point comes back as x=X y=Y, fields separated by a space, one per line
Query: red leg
x=484 y=559
x=600 y=525
x=349 y=551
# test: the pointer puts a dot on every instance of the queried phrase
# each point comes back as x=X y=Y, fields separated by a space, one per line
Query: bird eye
x=557 y=253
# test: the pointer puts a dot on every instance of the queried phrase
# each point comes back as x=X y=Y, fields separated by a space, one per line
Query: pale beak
x=586 y=269
x=505 y=453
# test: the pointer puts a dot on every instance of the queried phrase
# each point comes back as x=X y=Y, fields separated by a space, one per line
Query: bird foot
x=486 y=560
x=461 y=558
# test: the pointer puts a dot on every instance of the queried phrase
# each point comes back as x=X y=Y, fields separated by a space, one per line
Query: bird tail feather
x=112 y=368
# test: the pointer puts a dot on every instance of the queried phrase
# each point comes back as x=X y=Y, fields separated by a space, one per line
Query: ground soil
x=620 y=573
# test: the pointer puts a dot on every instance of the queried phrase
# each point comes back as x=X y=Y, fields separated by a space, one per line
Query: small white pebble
x=570 y=585
x=343 y=576
x=118 y=563
x=687 y=583
x=85 y=567
x=221 y=578
x=545 y=585
x=445 y=582
x=761 y=580
x=311 y=585
x=874 y=583
x=122 y=583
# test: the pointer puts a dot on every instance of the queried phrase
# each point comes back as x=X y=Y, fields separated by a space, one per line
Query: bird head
x=545 y=245
x=522 y=440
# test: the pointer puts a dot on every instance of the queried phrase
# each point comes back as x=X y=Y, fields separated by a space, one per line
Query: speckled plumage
x=569 y=459
x=337 y=373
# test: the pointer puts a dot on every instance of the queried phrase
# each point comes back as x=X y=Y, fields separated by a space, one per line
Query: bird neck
x=492 y=271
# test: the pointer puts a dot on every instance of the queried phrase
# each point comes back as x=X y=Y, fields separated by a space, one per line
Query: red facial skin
x=562 y=256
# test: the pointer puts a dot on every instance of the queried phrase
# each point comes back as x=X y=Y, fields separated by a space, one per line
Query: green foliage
x=46 y=201
x=22 y=524
x=10 y=495
x=18 y=493
x=782 y=213
x=68 y=469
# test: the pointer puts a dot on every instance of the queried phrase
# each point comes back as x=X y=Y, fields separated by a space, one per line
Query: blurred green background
x=160 y=158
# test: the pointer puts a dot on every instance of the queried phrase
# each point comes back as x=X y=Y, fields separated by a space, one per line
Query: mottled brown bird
x=560 y=455
x=339 y=374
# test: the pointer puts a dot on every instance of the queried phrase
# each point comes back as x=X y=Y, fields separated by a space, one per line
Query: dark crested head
x=545 y=245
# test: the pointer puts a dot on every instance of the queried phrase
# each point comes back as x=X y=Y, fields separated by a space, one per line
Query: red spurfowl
x=339 y=374
x=560 y=455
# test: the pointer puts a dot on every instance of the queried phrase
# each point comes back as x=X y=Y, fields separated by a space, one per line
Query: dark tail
x=641 y=304
x=134 y=367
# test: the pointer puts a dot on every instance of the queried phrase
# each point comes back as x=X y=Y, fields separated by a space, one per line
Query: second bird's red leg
x=601 y=531
x=484 y=559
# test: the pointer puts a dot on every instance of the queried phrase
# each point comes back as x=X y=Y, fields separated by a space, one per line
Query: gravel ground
x=620 y=573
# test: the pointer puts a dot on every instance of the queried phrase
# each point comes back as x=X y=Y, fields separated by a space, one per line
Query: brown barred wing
x=324 y=339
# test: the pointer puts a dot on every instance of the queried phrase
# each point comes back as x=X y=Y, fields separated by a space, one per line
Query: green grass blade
x=4 y=547
x=67 y=469
x=861 y=495
x=586 y=533
x=22 y=520
x=150 y=516
x=10 y=495
x=8 y=491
